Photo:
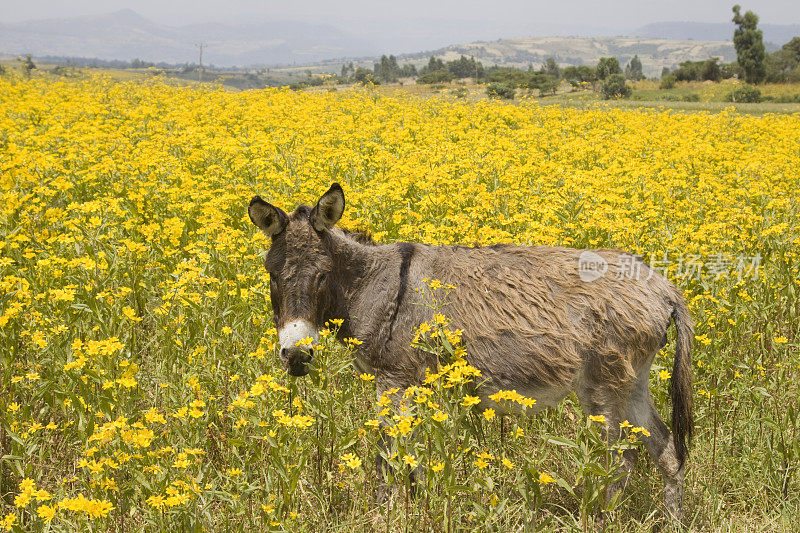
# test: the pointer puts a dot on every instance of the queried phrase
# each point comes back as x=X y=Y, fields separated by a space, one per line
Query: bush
x=699 y=70
x=745 y=94
x=668 y=81
x=577 y=75
x=545 y=83
x=730 y=70
x=436 y=76
x=788 y=99
x=501 y=90
x=691 y=97
x=615 y=87
x=362 y=75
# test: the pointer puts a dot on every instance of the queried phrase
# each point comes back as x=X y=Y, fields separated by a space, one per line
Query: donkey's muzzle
x=297 y=360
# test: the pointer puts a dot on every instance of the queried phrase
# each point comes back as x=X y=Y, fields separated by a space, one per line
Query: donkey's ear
x=329 y=208
x=269 y=219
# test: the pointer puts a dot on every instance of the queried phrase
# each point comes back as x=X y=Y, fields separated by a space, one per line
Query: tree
x=347 y=69
x=781 y=63
x=792 y=48
x=27 y=64
x=731 y=70
x=634 y=69
x=546 y=83
x=576 y=75
x=436 y=76
x=387 y=70
x=614 y=87
x=710 y=70
x=668 y=81
x=465 y=67
x=434 y=63
x=551 y=67
x=699 y=70
x=408 y=71
x=362 y=75
x=749 y=44
x=606 y=67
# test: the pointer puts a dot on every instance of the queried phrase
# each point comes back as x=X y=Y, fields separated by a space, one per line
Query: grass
x=138 y=365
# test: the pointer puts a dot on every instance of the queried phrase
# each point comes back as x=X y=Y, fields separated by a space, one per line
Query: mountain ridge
x=127 y=35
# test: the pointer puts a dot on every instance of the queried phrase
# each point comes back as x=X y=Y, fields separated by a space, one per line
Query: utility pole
x=200 y=68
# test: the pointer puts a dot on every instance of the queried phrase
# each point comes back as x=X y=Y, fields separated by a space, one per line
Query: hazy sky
x=591 y=14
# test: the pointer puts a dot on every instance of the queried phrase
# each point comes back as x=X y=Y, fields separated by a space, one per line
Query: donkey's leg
x=598 y=398
x=660 y=445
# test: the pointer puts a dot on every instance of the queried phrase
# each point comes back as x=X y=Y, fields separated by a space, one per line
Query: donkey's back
x=541 y=318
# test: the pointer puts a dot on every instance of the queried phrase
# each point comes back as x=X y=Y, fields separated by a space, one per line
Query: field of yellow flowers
x=139 y=385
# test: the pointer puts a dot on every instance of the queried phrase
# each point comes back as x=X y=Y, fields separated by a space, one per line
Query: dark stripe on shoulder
x=406 y=250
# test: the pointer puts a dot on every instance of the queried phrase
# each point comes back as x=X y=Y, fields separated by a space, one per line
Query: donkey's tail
x=681 y=387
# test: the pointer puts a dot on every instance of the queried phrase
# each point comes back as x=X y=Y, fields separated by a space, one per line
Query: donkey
x=542 y=320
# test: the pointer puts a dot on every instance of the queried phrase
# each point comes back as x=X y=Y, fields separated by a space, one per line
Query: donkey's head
x=302 y=291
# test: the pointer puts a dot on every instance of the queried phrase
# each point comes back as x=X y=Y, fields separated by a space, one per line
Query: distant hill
x=777 y=34
x=127 y=35
x=654 y=53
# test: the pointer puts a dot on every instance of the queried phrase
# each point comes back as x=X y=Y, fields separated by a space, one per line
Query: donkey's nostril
x=311 y=352
x=283 y=354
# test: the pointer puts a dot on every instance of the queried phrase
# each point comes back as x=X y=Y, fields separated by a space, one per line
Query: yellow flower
x=156 y=501
x=439 y=416
x=130 y=314
x=367 y=377
x=46 y=512
x=780 y=340
x=410 y=460
x=469 y=401
x=307 y=342
x=663 y=375
x=489 y=413
x=94 y=508
x=600 y=419
x=8 y=521
x=351 y=461
x=544 y=479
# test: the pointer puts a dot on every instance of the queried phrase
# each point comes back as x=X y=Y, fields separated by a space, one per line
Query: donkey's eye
x=321 y=280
